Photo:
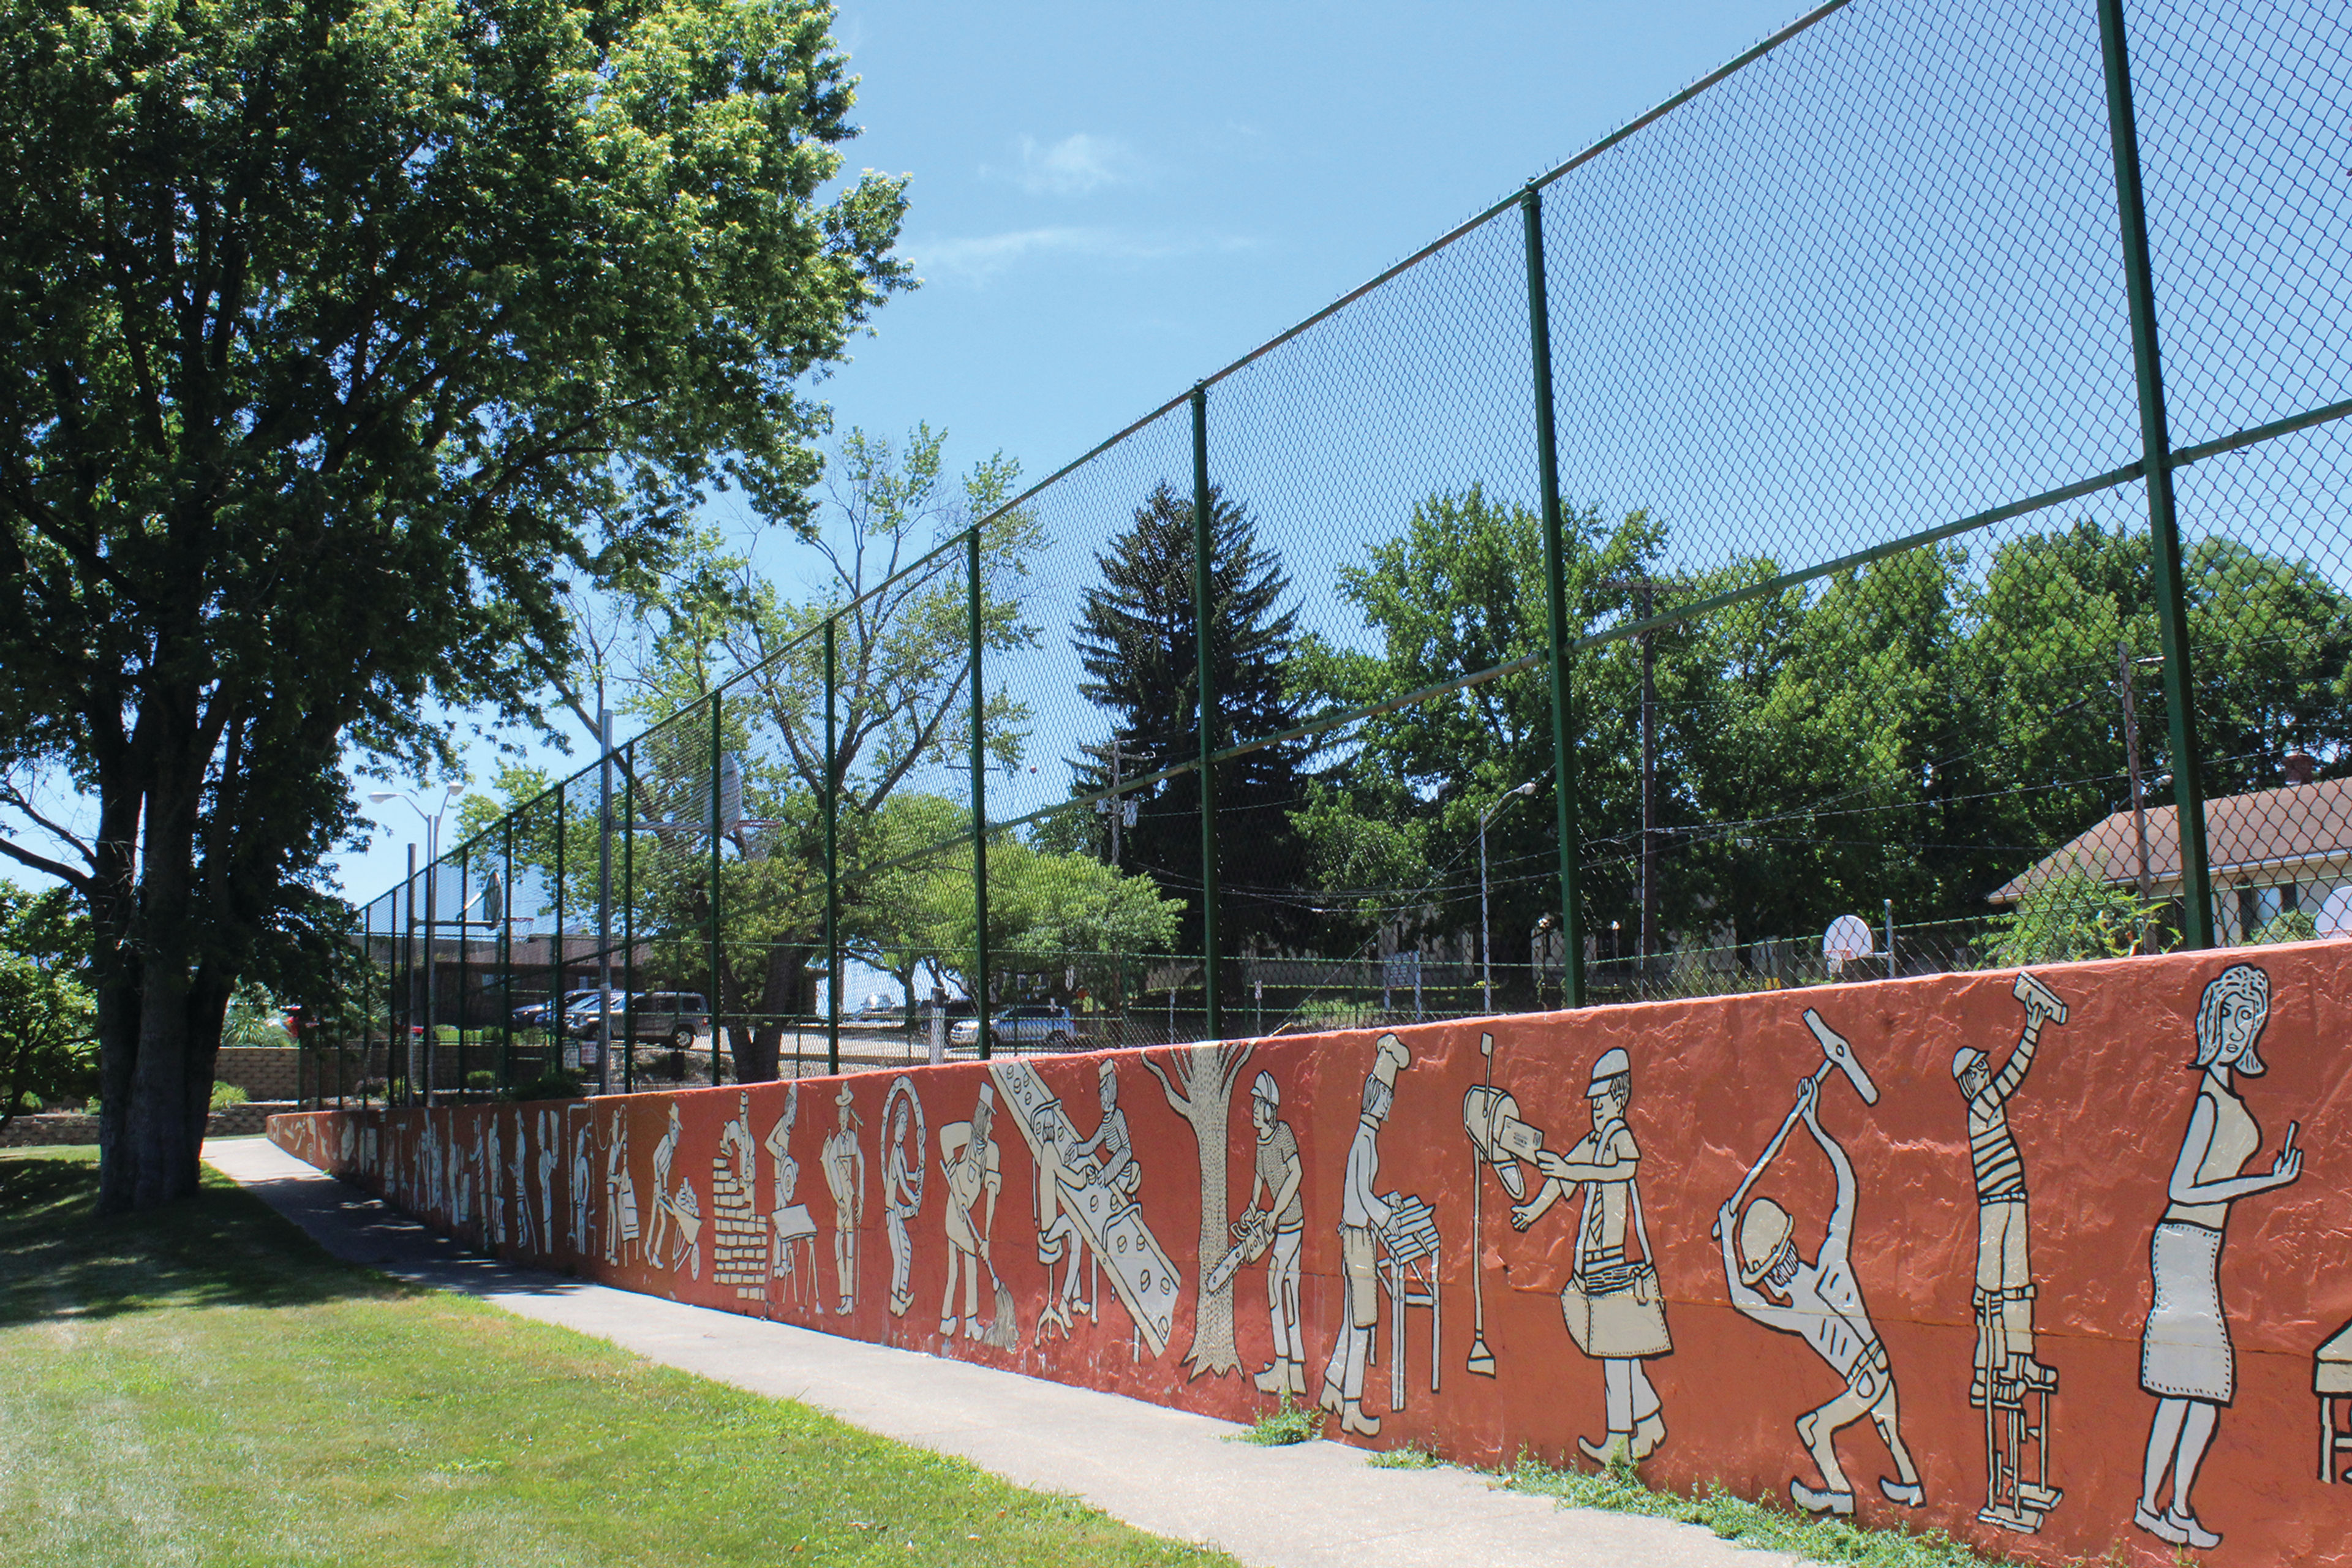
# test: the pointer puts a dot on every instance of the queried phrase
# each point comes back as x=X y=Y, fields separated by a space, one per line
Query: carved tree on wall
x=1205 y=1103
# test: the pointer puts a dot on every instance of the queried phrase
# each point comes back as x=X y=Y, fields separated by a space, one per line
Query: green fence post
x=1563 y=735
x=1205 y=715
x=2156 y=464
x=717 y=783
x=831 y=863
x=556 y=983
x=465 y=959
x=629 y=923
x=979 y=801
x=506 y=958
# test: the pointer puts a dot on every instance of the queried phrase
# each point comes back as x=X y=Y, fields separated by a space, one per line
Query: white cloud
x=1073 y=167
x=978 y=258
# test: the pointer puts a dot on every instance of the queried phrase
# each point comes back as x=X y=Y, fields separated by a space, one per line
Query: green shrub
x=1284 y=1425
x=554 y=1084
x=484 y=1080
x=2288 y=925
x=2071 y=915
x=226 y=1095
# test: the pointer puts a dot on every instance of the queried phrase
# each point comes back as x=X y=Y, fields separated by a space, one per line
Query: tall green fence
x=1882 y=511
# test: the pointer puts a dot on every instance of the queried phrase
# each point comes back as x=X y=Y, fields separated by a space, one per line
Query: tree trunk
x=784 y=993
x=1206 y=1105
x=157 y=1056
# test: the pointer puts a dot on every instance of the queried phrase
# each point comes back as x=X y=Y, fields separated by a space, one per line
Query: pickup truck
x=1044 y=1025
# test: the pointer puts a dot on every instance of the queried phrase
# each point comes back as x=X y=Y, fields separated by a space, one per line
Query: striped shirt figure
x=2004 y=1282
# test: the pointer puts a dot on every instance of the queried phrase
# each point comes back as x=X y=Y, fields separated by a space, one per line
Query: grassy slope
x=203 y=1386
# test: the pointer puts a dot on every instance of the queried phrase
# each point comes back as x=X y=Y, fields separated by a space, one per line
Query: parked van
x=674 y=1018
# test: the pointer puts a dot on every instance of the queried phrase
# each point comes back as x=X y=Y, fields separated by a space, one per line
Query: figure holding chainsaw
x=1818 y=1300
x=1275 y=1232
x=1615 y=1311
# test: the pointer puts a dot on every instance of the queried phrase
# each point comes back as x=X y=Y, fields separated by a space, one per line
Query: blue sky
x=1870 y=285
x=1111 y=200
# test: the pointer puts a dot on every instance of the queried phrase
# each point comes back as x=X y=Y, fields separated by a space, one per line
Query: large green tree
x=49 y=1020
x=1391 y=827
x=1137 y=641
x=902 y=675
x=332 y=339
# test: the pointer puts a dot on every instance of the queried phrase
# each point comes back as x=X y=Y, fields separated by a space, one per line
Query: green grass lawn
x=203 y=1386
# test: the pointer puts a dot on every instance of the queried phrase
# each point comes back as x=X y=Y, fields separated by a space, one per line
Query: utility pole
x=1644 y=590
x=1648 y=608
x=2124 y=662
x=1121 y=812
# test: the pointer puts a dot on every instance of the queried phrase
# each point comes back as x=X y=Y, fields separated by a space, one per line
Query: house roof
x=2295 y=825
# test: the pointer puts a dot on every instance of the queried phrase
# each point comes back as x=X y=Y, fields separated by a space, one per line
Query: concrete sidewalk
x=1314 y=1504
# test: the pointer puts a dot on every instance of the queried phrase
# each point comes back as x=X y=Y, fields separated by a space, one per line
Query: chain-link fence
x=1885 y=511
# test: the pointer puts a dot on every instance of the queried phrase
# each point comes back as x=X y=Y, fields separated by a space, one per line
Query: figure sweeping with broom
x=972 y=1167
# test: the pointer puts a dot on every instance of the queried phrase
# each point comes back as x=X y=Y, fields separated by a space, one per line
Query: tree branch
x=79 y=882
x=1181 y=1104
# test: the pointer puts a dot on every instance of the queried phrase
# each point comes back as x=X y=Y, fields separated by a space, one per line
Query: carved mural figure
x=549 y=1145
x=1106 y=1227
x=845 y=1175
x=902 y=1185
x=2186 y=1359
x=738 y=1239
x=620 y=1195
x=583 y=1177
x=525 y=1230
x=1616 y=1312
x=1110 y=1143
x=972 y=1167
x=1273 y=1229
x=432 y=1178
x=1059 y=1239
x=493 y=1168
x=2006 y=1378
x=791 y=1230
x=676 y=1234
x=1821 y=1302
x=1363 y=1214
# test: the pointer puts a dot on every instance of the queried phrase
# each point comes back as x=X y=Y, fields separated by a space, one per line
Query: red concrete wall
x=2099 y=1121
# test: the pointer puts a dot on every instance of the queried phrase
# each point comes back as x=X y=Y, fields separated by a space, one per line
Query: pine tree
x=1135 y=641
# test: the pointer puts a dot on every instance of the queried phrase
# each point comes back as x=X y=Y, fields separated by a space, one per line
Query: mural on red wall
x=1844 y=1246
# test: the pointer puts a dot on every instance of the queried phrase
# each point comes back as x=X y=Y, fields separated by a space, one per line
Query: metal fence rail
x=1897 y=487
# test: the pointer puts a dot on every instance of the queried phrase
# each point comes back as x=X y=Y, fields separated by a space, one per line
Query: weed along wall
x=1962 y=1251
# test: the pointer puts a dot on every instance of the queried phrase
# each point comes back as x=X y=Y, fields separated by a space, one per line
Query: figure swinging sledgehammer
x=1819 y=1300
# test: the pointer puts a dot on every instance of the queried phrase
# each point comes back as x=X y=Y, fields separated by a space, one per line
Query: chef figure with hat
x=1821 y=1302
x=1362 y=1217
x=1616 y=1311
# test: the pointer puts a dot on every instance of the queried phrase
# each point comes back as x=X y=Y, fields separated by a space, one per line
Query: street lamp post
x=432 y=864
x=1486 y=950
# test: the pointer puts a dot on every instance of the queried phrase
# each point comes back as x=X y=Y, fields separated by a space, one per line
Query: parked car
x=673 y=1018
x=537 y=1014
x=1046 y=1023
